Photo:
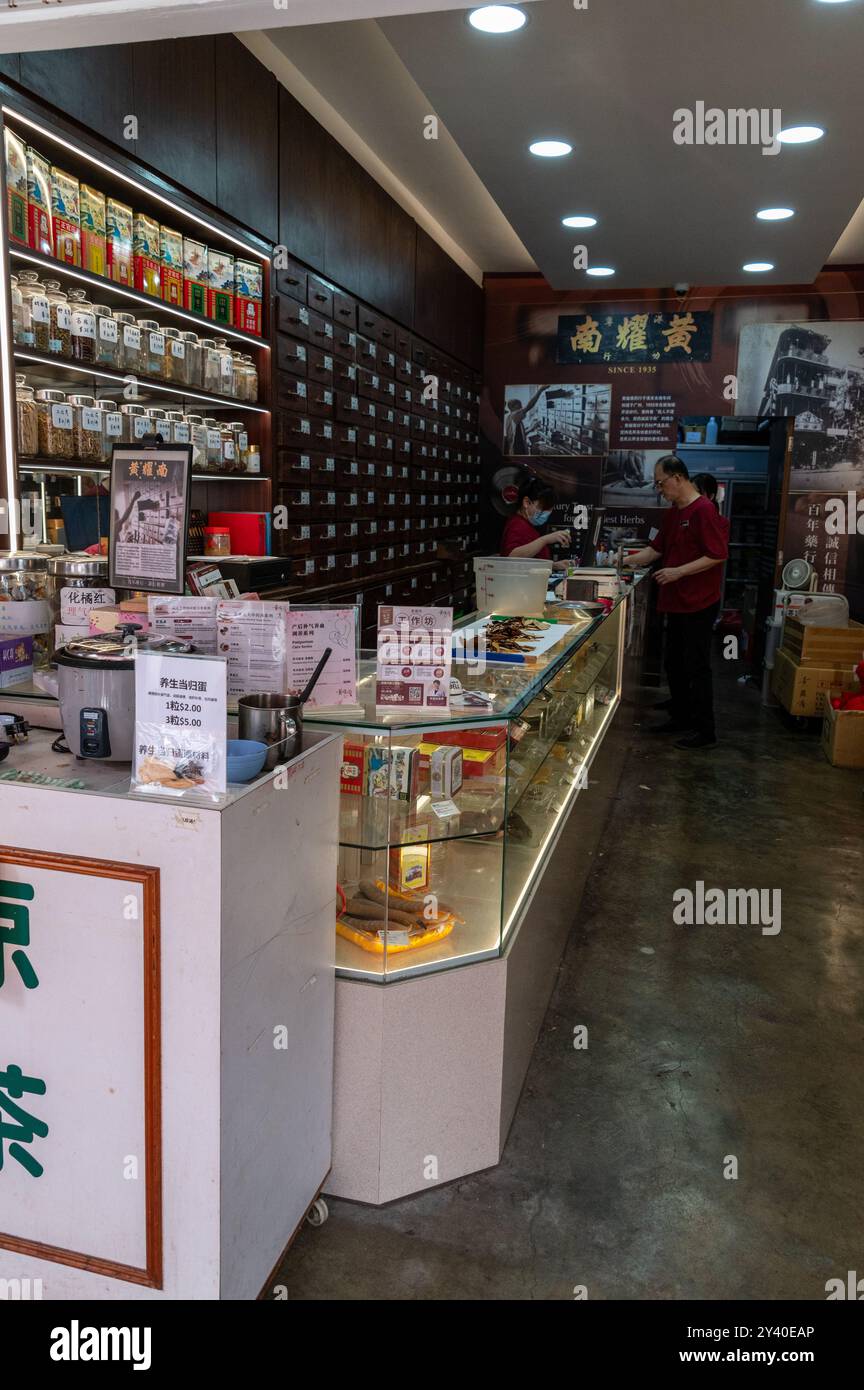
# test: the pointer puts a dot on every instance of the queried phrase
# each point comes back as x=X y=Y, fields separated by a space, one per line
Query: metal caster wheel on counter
x=318 y=1212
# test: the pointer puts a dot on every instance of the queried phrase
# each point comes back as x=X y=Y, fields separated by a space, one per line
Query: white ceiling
x=608 y=77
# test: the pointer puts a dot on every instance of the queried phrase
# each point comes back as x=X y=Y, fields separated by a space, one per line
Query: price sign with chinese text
x=181 y=724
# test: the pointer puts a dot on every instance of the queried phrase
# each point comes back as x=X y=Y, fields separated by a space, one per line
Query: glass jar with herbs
x=161 y=423
x=175 y=357
x=251 y=379
x=198 y=440
x=131 y=354
x=83 y=327
x=153 y=345
x=60 y=319
x=241 y=444
x=22 y=322
x=109 y=349
x=87 y=429
x=55 y=423
x=112 y=427
x=178 y=427
x=136 y=423
x=25 y=409
x=210 y=363
x=214 y=444
x=34 y=297
x=193 y=359
x=24 y=579
x=226 y=368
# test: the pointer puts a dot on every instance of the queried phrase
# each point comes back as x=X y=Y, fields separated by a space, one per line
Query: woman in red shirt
x=521 y=539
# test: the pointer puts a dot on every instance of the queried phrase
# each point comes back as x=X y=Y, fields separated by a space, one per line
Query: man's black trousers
x=688 y=667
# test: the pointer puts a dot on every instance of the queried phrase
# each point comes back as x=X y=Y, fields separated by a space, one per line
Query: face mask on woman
x=540 y=518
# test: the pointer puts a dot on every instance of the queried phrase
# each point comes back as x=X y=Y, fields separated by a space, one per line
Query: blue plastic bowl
x=245 y=758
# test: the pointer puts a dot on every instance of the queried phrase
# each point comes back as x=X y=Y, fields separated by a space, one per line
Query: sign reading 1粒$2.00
x=181 y=718
x=414 y=657
x=597 y=337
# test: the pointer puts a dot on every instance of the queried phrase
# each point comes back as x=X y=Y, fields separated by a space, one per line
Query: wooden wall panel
x=247 y=138
x=174 y=82
x=92 y=85
x=302 y=182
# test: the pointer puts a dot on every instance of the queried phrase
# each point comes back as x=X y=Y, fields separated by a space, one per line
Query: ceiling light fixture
x=577 y=220
x=775 y=214
x=756 y=267
x=497 y=19
x=550 y=149
x=800 y=134
x=600 y=270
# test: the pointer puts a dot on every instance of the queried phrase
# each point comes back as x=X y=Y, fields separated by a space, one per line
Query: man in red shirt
x=692 y=544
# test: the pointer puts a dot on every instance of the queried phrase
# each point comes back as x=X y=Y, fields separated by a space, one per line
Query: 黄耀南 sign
x=598 y=337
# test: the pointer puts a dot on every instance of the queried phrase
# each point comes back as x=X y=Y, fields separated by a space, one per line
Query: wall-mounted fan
x=798 y=574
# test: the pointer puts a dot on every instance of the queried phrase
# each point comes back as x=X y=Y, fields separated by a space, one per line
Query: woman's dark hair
x=707 y=485
x=535 y=490
x=673 y=466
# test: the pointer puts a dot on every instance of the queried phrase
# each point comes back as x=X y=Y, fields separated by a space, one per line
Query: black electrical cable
x=58 y=746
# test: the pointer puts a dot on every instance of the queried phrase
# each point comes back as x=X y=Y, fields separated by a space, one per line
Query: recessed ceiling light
x=497 y=19
x=800 y=134
x=754 y=267
x=775 y=214
x=832 y=2
x=579 y=221
x=600 y=270
x=550 y=149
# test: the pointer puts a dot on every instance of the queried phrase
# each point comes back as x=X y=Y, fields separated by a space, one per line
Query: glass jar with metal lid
x=87 y=428
x=22 y=322
x=109 y=349
x=226 y=367
x=161 y=423
x=175 y=356
x=252 y=378
x=33 y=296
x=83 y=327
x=193 y=359
x=153 y=346
x=24 y=607
x=198 y=440
x=136 y=423
x=214 y=444
x=112 y=427
x=26 y=417
x=131 y=353
x=77 y=585
x=179 y=430
x=230 y=462
x=211 y=360
x=60 y=319
x=241 y=444
x=55 y=420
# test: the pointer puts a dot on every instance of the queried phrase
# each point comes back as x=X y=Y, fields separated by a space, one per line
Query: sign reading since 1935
x=601 y=338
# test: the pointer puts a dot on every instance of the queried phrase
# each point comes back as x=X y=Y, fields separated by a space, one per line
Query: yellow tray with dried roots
x=372 y=942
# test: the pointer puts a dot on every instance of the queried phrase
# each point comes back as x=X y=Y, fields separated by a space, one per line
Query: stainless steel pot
x=276 y=720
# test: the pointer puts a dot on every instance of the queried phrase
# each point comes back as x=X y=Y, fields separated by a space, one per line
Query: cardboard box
x=377 y=772
x=147 y=255
x=843 y=736
x=16 y=186
x=65 y=216
x=220 y=287
x=409 y=868
x=823 y=646
x=351 y=773
x=445 y=772
x=118 y=233
x=94 y=252
x=248 y=296
x=803 y=690
x=171 y=248
x=489 y=739
x=39 y=203
x=404 y=772
x=194 y=276
x=16 y=660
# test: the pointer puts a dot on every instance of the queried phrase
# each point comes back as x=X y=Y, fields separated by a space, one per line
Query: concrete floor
x=704 y=1042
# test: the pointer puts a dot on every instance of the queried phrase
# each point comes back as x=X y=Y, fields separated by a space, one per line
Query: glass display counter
x=446 y=823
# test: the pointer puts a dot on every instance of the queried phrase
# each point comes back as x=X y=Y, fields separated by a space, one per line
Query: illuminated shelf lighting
x=99 y=282
x=146 y=385
x=133 y=183
x=72 y=467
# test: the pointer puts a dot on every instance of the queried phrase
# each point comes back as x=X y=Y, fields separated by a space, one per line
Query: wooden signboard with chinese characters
x=598 y=338
x=80 y=1072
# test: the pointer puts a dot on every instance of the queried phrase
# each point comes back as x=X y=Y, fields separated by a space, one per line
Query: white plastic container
x=511 y=588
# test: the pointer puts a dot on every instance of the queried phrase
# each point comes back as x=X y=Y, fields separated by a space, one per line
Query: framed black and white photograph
x=628 y=478
x=150 y=491
x=556 y=421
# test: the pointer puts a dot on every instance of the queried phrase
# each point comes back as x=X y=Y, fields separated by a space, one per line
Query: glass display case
x=447 y=822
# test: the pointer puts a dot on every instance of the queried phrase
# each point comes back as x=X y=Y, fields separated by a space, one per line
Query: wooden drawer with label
x=292 y=280
x=321 y=366
x=291 y=355
x=319 y=296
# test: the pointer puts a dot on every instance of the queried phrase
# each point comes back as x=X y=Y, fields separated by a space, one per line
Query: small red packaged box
x=351 y=771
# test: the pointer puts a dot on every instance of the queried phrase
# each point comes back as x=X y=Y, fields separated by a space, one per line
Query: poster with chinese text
x=150 y=491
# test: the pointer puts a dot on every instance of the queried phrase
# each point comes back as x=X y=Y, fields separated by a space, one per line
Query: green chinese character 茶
x=18 y=934
x=26 y=1127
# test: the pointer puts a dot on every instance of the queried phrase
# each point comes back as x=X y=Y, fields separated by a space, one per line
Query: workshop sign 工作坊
x=653 y=338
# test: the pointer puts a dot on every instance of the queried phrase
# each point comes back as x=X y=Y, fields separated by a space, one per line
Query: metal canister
x=77 y=584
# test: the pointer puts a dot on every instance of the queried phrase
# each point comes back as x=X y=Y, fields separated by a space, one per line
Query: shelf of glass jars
x=73 y=466
x=45 y=371
x=119 y=297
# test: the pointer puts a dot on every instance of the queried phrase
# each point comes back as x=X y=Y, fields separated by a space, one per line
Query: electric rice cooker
x=96 y=688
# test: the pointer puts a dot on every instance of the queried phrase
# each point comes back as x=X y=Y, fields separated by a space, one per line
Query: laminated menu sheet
x=252 y=637
x=188 y=619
